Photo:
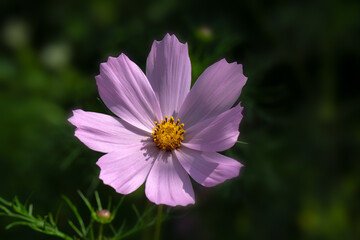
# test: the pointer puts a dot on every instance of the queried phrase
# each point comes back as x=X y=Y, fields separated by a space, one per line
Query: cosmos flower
x=164 y=131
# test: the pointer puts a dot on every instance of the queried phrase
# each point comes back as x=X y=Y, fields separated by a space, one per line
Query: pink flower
x=164 y=131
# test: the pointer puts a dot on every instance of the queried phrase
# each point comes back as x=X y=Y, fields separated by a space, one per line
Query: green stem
x=158 y=223
x=101 y=228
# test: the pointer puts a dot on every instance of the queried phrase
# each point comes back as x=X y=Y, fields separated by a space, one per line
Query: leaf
x=109 y=203
x=72 y=225
x=5 y=202
x=137 y=214
x=51 y=219
x=30 y=209
x=7 y=211
x=98 y=200
x=119 y=235
x=18 y=211
x=114 y=211
x=74 y=209
x=16 y=224
x=90 y=229
x=86 y=201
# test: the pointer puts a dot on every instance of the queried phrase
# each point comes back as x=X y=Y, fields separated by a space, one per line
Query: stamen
x=169 y=134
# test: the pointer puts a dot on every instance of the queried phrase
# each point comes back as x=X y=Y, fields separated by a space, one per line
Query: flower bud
x=103 y=214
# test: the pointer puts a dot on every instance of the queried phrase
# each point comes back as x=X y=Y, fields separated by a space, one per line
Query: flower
x=164 y=131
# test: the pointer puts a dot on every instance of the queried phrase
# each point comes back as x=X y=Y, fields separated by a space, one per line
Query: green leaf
x=5 y=202
x=118 y=235
x=98 y=200
x=109 y=204
x=51 y=219
x=72 y=225
x=90 y=229
x=137 y=214
x=16 y=224
x=114 y=211
x=7 y=211
x=18 y=211
x=30 y=209
x=76 y=212
x=86 y=201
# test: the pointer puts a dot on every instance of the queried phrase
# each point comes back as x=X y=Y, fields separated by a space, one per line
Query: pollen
x=168 y=134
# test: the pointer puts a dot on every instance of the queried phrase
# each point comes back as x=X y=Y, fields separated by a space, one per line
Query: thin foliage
x=97 y=227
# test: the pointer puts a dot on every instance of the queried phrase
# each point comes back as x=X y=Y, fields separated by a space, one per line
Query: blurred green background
x=301 y=178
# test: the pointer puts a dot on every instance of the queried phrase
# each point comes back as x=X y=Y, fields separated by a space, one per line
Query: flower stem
x=158 y=223
x=100 y=231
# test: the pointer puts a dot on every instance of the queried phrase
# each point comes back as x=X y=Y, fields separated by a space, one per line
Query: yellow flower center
x=169 y=134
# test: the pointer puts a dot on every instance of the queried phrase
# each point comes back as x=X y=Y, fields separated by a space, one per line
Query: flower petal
x=168 y=69
x=127 y=168
x=215 y=91
x=104 y=133
x=126 y=92
x=168 y=183
x=215 y=134
x=208 y=168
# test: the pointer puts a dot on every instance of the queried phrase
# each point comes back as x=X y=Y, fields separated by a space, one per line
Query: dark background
x=301 y=178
